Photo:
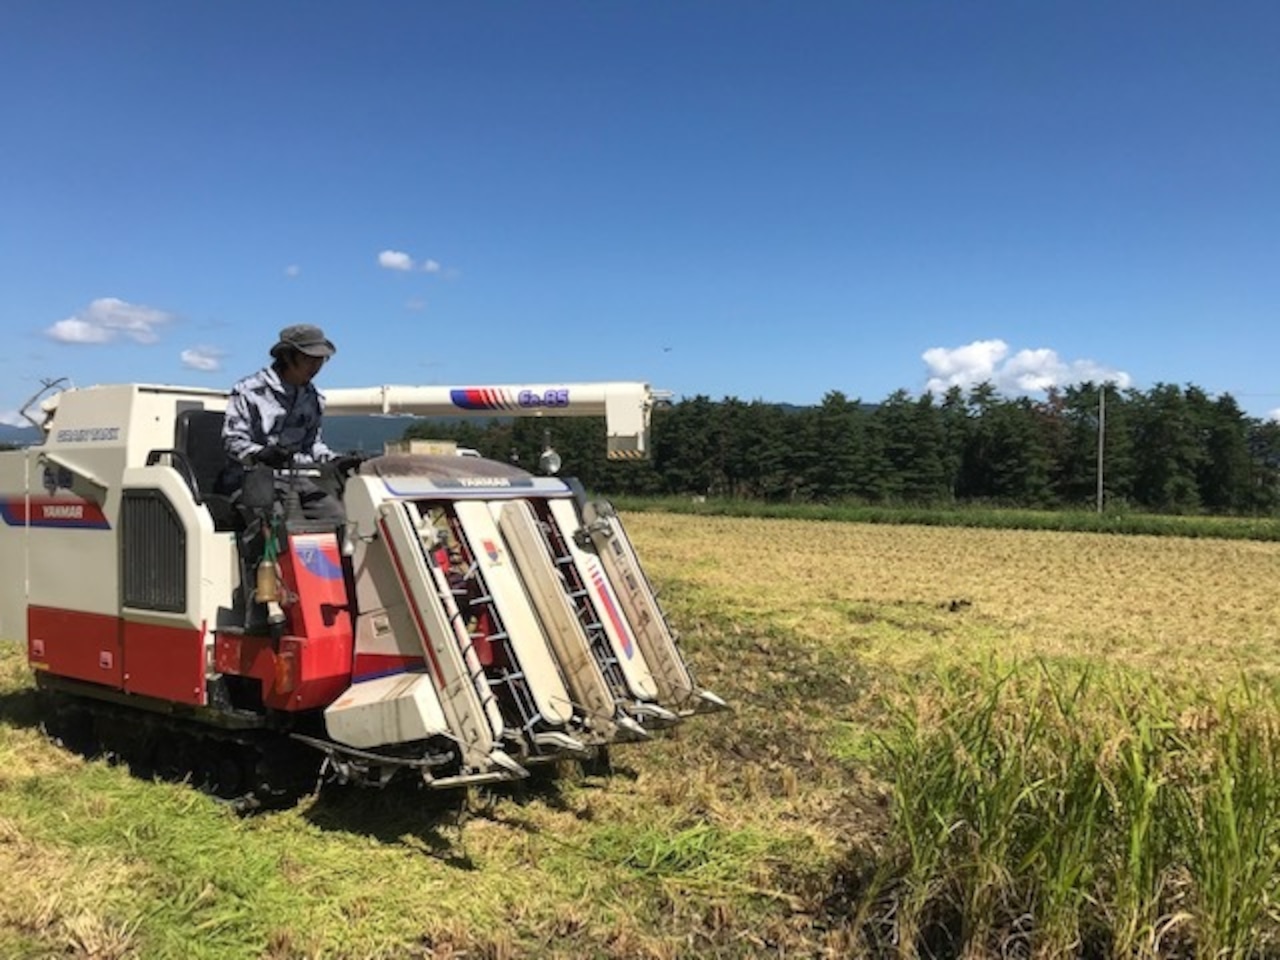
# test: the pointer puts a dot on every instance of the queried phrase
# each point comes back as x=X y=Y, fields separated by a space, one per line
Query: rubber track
x=249 y=769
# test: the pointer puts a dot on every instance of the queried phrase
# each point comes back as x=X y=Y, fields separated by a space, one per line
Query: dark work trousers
x=317 y=494
x=318 y=503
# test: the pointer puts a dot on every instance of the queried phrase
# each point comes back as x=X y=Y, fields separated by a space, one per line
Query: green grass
x=678 y=846
x=1080 y=521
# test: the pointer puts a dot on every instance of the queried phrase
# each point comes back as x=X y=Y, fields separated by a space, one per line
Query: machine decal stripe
x=606 y=599
x=470 y=399
x=413 y=607
x=371 y=666
x=315 y=560
x=475 y=487
x=481 y=398
x=69 y=512
x=466 y=399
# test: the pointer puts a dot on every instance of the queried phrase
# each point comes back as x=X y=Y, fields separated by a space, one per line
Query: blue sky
x=760 y=200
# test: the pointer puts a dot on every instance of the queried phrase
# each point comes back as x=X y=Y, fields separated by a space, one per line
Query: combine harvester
x=472 y=620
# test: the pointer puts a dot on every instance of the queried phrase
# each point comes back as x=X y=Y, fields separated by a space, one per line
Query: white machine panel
x=397 y=709
x=631 y=661
x=546 y=587
x=521 y=623
x=477 y=721
x=676 y=686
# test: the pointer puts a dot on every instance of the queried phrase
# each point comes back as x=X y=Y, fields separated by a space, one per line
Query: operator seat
x=198 y=437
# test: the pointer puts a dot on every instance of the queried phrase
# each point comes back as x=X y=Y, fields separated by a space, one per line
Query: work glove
x=348 y=463
x=274 y=457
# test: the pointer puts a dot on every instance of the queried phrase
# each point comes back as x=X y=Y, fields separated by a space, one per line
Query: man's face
x=301 y=369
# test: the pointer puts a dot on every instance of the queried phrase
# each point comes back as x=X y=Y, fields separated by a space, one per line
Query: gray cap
x=304 y=338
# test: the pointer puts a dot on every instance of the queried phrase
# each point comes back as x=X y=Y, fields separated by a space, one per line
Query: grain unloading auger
x=484 y=619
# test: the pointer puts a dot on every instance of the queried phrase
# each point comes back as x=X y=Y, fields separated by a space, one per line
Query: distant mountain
x=364 y=434
x=17 y=436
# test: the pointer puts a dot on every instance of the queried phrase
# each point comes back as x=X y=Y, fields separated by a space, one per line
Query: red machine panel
x=311 y=568
x=310 y=673
x=70 y=643
x=314 y=660
x=164 y=662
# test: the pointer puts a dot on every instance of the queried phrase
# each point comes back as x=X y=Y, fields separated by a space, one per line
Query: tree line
x=1169 y=449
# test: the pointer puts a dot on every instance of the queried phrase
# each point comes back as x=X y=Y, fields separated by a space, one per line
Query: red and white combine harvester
x=471 y=620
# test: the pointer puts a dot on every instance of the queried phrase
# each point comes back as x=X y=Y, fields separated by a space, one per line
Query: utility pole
x=1102 y=432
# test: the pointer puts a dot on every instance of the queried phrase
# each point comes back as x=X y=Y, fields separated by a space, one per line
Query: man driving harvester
x=273 y=419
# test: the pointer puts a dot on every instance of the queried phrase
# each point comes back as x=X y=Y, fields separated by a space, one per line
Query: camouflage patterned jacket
x=264 y=410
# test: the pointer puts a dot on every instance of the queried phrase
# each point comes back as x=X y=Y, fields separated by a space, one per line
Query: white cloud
x=1274 y=415
x=395 y=260
x=207 y=359
x=292 y=271
x=1034 y=370
x=399 y=260
x=107 y=319
x=13 y=418
x=75 y=330
x=417 y=304
x=1027 y=371
x=964 y=365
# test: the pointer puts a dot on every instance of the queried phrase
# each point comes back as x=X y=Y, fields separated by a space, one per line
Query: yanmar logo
x=484 y=481
x=68 y=513
x=62 y=511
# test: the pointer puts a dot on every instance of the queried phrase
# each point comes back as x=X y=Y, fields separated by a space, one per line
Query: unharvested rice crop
x=1078 y=733
x=911 y=596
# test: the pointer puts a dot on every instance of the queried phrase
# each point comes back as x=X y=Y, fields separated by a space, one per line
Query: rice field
x=911 y=597
x=946 y=742
x=1078 y=733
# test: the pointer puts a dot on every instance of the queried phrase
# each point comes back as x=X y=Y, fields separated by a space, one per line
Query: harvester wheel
x=71 y=728
x=598 y=764
x=171 y=757
x=231 y=779
x=220 y=771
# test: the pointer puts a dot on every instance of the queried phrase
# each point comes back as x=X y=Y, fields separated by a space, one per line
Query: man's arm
x=314 y=449
x=242 y=428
